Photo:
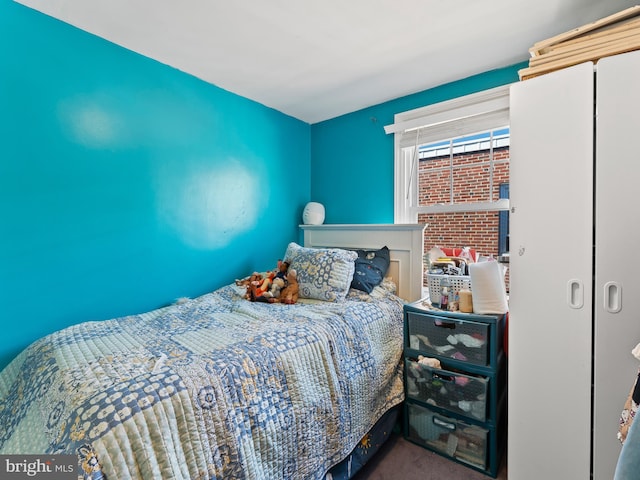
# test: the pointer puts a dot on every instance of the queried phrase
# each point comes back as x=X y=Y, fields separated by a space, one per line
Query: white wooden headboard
x=405 y=242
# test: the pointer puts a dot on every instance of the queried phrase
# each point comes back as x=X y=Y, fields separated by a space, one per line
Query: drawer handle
x=443 y=424
x=444 y=324
x=444 y=378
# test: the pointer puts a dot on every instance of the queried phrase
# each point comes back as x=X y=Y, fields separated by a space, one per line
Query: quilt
x=215 y=387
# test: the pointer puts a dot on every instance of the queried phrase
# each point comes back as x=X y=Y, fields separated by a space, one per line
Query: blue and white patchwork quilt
x=213 y=388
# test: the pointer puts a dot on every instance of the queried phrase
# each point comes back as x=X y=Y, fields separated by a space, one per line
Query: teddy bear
x=268 y=286
x=283 y=268
x=290 y=292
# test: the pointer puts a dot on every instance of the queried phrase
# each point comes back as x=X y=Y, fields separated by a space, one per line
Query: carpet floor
x=401 y=459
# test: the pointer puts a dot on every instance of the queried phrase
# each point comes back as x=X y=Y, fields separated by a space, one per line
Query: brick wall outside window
x=478 y=230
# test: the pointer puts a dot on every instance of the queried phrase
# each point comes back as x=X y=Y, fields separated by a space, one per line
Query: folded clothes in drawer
x=461 y=393
x=454 y=438
x=463 y=340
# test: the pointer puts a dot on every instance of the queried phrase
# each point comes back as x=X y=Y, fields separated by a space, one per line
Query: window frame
x=461 y=116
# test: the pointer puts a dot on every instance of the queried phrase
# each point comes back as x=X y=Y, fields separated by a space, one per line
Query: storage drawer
x=449 y=337
x=462 y=393
x=448 y=436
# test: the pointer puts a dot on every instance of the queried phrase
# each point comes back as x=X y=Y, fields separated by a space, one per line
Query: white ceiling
x=318 y=59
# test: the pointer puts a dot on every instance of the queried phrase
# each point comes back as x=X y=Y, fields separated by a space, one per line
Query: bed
x=220 y=387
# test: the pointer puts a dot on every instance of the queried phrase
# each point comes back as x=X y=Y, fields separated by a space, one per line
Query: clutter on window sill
x=466 y=283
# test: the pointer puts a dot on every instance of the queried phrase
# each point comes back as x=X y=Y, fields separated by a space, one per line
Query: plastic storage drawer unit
x=452 y=437
x=462 y=393
x=459 y=409
x=461 y=339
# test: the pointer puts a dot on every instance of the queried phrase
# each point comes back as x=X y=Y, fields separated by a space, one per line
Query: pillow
x=323 y=273
x=371 y=267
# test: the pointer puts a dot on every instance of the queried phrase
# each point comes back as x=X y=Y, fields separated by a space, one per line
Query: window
x=464 y=173
x=452 y=171
x=451 y=123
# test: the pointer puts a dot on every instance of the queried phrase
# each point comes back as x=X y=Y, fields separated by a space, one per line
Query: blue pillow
x=371 y=267
x=323 y=273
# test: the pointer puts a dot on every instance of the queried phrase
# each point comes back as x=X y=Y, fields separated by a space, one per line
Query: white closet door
x=617 y=220
x=550 y=324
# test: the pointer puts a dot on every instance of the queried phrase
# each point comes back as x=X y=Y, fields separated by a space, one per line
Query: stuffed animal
x=283 y=268
x=269 y=287
x=277 y=285
x=260 y=287
x=246 y=281
x=266 y=287
x=429 y=362
x=290 y=292
x=254 y=279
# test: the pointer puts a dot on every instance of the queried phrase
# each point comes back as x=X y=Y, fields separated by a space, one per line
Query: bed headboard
x=405 y=242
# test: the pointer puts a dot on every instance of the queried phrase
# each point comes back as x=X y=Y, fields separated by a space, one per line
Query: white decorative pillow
x=323 y=273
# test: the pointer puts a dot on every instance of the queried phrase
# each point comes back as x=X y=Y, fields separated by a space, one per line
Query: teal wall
x=352 y=157
x=125 y=184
